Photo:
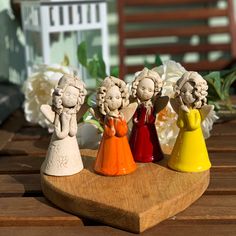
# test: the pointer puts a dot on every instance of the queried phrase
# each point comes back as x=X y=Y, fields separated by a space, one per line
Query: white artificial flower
x=170 y=72
x=88 y=136
x=38 y=90
x=166 y=128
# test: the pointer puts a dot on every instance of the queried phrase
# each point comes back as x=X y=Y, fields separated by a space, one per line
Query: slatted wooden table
x=25 y=211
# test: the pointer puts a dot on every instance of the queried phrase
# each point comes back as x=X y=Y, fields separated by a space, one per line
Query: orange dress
x=114 y=155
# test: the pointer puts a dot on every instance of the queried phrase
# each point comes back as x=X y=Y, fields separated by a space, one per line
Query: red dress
x=114 y=155
x=144 y=142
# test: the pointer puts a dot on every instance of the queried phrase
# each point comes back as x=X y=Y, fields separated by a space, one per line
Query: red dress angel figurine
x=144 y=141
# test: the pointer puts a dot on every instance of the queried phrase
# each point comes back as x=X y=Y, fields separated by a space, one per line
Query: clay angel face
x=146 y=85
x=186 y=93
x=192 y=90
x=113 y=98
x=145 y=89
x=70 y=97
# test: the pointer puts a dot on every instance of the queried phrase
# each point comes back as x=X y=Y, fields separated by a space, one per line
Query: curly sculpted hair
x=150 y=74
x=65 y=81
x=198 y=84
x=105 y=86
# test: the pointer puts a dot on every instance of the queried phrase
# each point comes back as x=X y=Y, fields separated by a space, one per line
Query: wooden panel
x=163 y=2
x=196 y=66
x=170 y=228
x=33 y=212
x=228 y=128
x=166 y=49
x=30 y=133
x=10 y=126
x=222 y=160
x=186 y=31
x=20 y=164
x=222 y=144
x=223 y=182
x=211 y=208
x=176 y=15
x=26 y=147
x=20 y=185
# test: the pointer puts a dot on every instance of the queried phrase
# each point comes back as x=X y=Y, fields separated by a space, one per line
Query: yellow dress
x=189 y=153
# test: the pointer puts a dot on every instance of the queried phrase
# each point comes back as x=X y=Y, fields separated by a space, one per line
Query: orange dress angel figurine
x=114 y=155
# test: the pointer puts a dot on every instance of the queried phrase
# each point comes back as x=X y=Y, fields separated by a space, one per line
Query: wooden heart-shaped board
x=133 y=202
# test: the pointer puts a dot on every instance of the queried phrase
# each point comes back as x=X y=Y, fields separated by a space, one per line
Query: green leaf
x=215 y=85
x=115 y=71
x=227 y=82
x=102 y=66
x=147 y=64
x=158 y=61
x=91 y=101
x=93 y=68
x=82 y=54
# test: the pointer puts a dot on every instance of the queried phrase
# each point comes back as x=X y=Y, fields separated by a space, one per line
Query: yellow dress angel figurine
x=190 y=153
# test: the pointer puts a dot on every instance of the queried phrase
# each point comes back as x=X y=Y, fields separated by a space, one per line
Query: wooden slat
x=196 y=66
x=223 y=161
x=211 y=208
x=177 y=31
x=166 y=49
x=228 y=128
x=222 y=183
x=20 y=164
x=10 y=126
x=175 y=15
x=30 y=133
x=20 y=185
x=26 y=147
x=166 y=228
x=163 y=2
x=29 y=211
x=204 y=65
x=222 y=143
x=37 y=211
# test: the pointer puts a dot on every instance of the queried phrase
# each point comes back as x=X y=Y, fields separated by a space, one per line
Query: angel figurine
x=113 y=110
x=63 y=156
x=190 y=153
x=144 y=143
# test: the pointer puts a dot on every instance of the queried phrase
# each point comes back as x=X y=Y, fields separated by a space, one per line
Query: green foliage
x=95 y=66
x=82 y=54
x=219 y=83
x=157 y=62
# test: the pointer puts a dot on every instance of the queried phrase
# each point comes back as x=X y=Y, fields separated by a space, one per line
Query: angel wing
x=97 y=114
x=206 y=110
x=48 y=112
x=175 y=104
x=160 y=103
x=209 y=117
x=82 y=111
x=129 y=111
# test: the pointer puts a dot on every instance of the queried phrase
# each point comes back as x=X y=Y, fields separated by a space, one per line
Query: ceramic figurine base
x=134 y=202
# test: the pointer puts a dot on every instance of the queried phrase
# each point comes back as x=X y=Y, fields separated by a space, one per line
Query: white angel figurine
x=190 y=153
x=63 y=156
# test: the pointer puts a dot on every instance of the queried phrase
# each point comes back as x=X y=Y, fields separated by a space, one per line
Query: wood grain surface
x=25 y=211
x=134 y=202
